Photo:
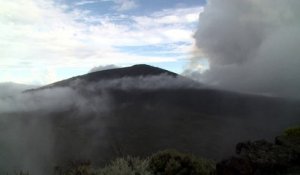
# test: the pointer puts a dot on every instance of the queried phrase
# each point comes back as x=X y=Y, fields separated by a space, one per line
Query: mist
x=42 y=128
x=10 y=89
x=251 y=45
x=100 y=68
x=162 y=81
x=84 y=119
x=30 y=126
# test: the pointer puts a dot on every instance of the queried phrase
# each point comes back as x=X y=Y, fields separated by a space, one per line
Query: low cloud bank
x=10 y=89
x=148 y=83
x=64 y=98
x=42 y=128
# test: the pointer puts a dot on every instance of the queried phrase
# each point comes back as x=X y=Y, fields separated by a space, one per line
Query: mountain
x=136 y=110
x=133 y=71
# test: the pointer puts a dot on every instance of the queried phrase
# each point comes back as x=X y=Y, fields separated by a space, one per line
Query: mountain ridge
x=139 y=70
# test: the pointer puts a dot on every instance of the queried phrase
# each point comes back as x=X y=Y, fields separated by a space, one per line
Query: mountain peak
x=132 y=71
x=142 y=66
x=116 y=73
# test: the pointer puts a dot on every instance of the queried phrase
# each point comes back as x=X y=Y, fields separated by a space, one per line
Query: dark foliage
x=171 y=162
x=265 y=158
x=75 y=168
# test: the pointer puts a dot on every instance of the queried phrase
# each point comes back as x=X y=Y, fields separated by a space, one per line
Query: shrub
x=76 y=168
x=292 y=132
x=126 y=166
x=171 y=162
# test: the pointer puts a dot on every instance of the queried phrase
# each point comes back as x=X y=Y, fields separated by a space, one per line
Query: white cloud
x=48 y=36
x=171 y=16
x=123 y=5
x=84 y=2
x=100 y=68
x=252 y=46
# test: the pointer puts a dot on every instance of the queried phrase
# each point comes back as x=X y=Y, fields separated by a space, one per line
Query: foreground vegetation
x=265 y=158
x=259 y=157
x=168 y=162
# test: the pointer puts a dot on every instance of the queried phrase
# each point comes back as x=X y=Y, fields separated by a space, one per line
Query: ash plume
x=252 y=46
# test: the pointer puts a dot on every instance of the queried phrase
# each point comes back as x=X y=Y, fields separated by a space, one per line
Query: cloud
x=53 y=36
x=46 y=100
x=124 y=5
x=84 y=2
x=64 y=98
x=251 y=46
x=100 y=68
x=171 y=16
x=33 y=123
x=28 y=126
x=146 y=83
x=9 y=89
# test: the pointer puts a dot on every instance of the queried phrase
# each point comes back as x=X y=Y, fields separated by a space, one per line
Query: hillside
x=136 y=111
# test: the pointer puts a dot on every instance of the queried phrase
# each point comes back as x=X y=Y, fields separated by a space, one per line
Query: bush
x=76 y=168
x=126 y=166
x=171 y=162
x=292 y=132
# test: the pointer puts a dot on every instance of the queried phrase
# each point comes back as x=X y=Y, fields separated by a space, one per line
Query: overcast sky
x=43 y=41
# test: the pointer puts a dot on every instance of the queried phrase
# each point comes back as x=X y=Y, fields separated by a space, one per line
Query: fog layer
x=43 y=128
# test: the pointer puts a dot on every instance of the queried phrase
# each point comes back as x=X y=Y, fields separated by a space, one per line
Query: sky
x=43 y=41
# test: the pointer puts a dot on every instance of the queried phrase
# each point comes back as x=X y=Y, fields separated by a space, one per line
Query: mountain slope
x=104 y=123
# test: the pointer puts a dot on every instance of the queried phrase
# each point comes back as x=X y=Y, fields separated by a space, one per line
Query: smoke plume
x=252 y=45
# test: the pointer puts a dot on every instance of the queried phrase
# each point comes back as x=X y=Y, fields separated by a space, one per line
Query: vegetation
x=168 y=162
x=126 y=166
x=292 y=132
x=120 y=166
x=280 y=157
x=76 y=168
x=171 y=162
